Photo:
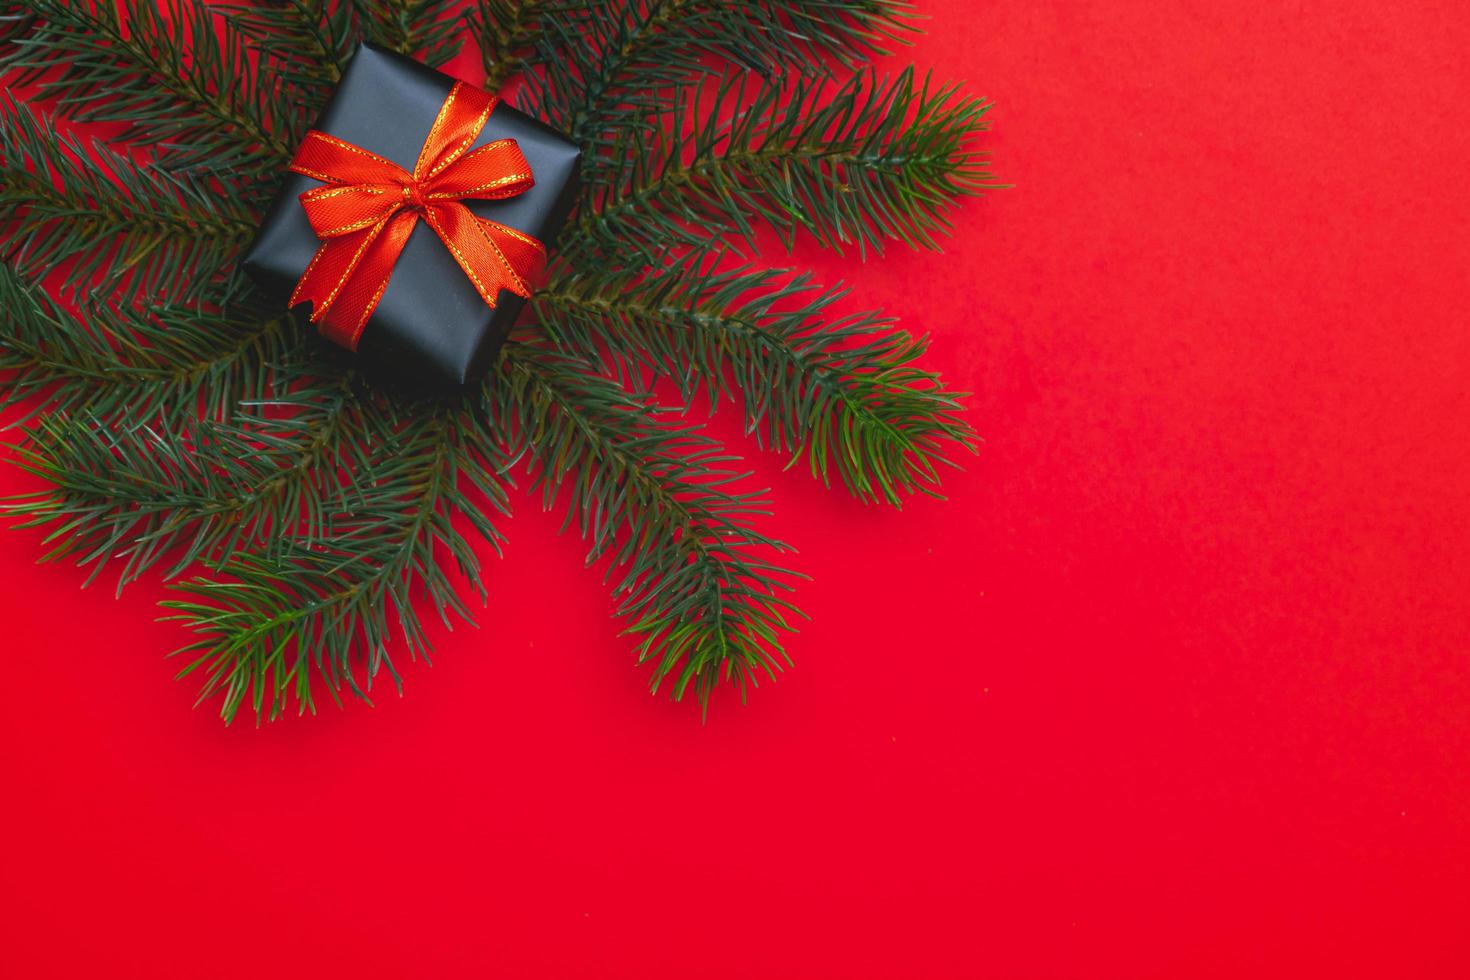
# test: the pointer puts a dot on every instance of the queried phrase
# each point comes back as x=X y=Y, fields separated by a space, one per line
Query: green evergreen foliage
x=867 y=161
x=135 y=227
x=507 y=31
x=307 y=517
x=169 y=71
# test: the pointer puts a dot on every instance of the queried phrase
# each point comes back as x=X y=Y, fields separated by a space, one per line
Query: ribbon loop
x=495 y=171
x=368 y=207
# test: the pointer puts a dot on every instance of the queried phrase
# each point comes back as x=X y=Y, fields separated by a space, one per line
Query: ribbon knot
x=413 y=197
x=369 y=205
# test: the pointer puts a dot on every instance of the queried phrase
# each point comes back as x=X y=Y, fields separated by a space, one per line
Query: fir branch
x=130 y=366
x=872 y=160
x=849 y=32
x=145 y=493
x=843 y=390
x=307 y=43
x=655 y=499
x=168 y=70
x=619 y=62
x=273 y=623
x=428 y=29
x=612 y=51
x=508 y=30
x=127 y=227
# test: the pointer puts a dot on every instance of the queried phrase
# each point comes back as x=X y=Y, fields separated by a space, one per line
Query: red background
x=1174 y=685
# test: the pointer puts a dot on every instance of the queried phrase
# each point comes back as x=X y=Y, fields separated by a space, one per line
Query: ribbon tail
x=492 y=255
x=348 y=275
x=328 y=270
x=524 y=255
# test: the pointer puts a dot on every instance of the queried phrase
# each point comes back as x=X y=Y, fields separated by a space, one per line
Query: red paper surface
x=1174 y=685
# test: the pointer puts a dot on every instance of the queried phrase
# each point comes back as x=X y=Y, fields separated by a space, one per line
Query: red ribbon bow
x=370 y=205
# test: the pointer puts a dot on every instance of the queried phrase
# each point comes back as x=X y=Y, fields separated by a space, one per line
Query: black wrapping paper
x=430 y=327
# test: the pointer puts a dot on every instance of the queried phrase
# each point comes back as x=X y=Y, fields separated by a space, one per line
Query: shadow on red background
x=1174 y=685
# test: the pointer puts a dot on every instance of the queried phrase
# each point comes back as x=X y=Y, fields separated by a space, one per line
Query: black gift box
x=430 y=325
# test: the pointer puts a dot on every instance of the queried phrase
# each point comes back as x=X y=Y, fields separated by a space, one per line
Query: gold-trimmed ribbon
x=368 y=206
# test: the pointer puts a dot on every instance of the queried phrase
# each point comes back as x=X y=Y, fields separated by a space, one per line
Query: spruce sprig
x=181 y=426
x=873 y=160
x=173 y=73
x=133 y=365
x=841 y=389
x=272 y=621
x=307 y=42
x=695 y=582
x=126 y=226
x=433 y=30
x=141 y=493
x=606 y=66
x=508 y=31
